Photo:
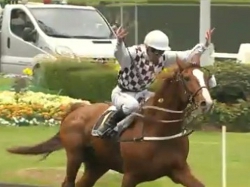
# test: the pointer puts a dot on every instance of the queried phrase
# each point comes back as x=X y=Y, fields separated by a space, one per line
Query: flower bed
x=32 y=108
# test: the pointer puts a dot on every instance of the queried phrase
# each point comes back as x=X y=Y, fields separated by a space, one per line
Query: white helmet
x=157 y=40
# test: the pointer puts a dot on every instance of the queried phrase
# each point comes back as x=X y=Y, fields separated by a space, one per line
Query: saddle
x=121 y=126
x=115 y=132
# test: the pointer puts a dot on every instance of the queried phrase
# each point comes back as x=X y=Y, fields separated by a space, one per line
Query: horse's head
x=191 y=86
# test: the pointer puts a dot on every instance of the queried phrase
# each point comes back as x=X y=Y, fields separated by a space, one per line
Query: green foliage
x=94 y=82
x=233 y=85
x=233 y=74
x=236 y=117
x=91 y=81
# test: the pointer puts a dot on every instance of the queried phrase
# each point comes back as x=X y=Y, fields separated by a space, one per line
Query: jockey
x=140 y=65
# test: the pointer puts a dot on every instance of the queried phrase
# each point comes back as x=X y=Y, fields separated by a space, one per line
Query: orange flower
x=62 y=107
x=8 y=116
x=46 y=116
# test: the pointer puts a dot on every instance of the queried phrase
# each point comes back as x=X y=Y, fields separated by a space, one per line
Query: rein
x=187 y=111
x=184 y=132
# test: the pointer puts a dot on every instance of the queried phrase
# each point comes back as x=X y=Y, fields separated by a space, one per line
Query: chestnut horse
x=154 y=145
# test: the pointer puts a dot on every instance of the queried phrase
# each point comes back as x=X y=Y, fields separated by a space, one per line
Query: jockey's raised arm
x=124 y=55
x=188 y=56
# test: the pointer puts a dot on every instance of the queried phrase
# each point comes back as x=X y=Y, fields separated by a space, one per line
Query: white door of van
x=17 y=54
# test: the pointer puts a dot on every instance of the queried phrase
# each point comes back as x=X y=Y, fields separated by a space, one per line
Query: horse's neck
x=170 y=100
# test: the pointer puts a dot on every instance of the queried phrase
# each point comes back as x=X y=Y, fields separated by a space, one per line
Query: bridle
x=190 y=108
x=191 y=95
x=191 y=105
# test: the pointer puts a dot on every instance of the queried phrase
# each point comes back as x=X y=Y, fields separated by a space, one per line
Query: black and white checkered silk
x=141 y=74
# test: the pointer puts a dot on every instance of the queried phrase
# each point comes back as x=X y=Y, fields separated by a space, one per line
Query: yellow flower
x=117 y=67
x=34 y=104
x=28 y=71
x=165 y=70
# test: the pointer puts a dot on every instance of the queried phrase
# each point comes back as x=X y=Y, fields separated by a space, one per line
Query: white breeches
x=128 y=101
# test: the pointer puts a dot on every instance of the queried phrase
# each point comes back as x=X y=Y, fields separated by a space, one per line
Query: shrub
x=91 y=81
x=232 y=108
x=233 y=80
x=235 y=117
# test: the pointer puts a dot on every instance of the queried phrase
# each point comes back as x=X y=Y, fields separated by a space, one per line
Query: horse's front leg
x=184 y=176
x=129 y=180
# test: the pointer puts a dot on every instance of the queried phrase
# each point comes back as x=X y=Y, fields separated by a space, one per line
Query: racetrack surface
x=17 y=185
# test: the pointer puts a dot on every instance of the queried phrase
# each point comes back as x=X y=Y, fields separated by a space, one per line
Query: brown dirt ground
x=55 y=175
x=16 y=185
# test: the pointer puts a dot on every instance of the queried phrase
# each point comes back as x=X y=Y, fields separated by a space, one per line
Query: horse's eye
x=186 y=78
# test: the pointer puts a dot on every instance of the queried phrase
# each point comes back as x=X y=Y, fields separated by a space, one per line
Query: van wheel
x=37 y=74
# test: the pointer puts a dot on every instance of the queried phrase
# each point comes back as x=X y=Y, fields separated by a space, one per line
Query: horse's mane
x=170 y=74
x=173 y=70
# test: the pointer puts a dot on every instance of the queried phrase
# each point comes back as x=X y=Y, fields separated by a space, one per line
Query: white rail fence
x=243 y=55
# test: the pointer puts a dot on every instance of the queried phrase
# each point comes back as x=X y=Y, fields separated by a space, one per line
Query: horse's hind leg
x=74 y=161
x=184 y=176
x=92 y=172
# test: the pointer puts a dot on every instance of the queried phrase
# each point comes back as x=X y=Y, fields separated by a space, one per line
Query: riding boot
x=114 y=118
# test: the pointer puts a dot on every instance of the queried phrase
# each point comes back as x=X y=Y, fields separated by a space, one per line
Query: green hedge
x=236 y=117
x=90 y=81
x=95 y=82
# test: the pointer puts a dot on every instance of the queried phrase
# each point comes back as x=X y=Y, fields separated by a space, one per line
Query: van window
x=19 y=20
x=72 y=23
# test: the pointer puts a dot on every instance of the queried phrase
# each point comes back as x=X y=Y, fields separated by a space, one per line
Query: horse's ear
x=180 y=64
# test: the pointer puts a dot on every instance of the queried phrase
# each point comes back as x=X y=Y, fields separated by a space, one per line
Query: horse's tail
x=48 y=146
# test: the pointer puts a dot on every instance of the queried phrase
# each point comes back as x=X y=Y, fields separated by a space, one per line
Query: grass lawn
x=204 y=158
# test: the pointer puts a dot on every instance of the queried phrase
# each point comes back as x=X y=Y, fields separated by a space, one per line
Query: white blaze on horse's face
x=208 y=102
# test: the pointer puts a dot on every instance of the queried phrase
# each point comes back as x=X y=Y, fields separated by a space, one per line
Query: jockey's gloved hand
x=208 y=36
x=121 y=33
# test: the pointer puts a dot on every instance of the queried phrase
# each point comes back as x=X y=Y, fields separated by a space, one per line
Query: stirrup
x=108 y=125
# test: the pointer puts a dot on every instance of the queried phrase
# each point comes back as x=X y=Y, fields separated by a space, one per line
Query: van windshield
x=72 y=23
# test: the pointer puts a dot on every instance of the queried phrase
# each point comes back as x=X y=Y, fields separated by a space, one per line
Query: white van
x=29 y=30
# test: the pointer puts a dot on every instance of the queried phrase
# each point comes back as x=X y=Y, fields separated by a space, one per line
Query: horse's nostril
x=203 y=103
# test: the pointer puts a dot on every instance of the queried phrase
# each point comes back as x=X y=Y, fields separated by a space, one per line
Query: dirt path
x=16 y=185
x=48 y=174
